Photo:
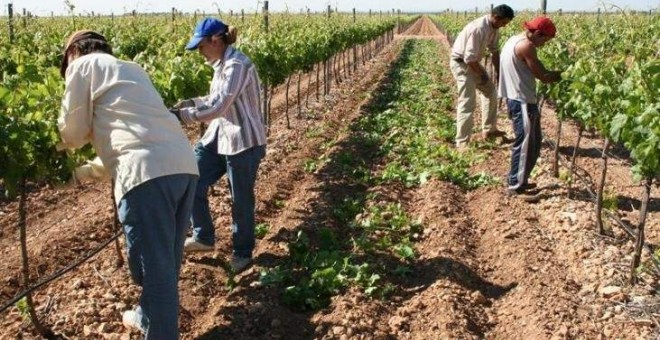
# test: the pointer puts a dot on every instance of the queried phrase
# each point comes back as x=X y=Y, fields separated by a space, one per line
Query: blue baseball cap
x=205 y=28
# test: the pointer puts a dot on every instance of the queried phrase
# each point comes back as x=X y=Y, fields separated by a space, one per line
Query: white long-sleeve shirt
x=233 y=106
x=113 y=105
x=473 y=40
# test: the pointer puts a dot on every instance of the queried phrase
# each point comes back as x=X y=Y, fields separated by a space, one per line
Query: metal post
x=354 y=46
x=266 y=16
x=398 y=21
x=242 y=16
x=266 y=110
x=544 y=6
x=10 y=9
x=329 y=10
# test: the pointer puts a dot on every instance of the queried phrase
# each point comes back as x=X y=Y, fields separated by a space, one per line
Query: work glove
x=90 y=171
x=177 y=113
x=184 y=103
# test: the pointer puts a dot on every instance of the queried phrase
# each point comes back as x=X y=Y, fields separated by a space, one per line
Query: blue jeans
x=526 y=147
x=241 y=170
x=155 y=216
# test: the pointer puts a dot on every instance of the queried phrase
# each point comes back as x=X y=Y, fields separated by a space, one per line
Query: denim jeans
x=155 y=216
x=526 y=147
x=241 y=170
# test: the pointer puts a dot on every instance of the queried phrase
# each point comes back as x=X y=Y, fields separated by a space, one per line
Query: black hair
x=83 y=43
x=503 y=11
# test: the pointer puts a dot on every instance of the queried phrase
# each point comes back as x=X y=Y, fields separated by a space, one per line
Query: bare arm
x=527 y=51
x=479 y=70
x=495 y=58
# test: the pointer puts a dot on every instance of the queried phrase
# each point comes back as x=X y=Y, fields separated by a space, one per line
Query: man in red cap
x=520 y=67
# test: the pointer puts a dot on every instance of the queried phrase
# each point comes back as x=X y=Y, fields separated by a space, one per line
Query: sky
x=45 y=7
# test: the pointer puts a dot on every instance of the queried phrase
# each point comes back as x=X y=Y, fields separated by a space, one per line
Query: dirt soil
x=489 y=266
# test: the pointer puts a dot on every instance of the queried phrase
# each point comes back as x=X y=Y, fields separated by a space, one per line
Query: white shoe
x=238 y=264
x=193 y=246
x=131 y=319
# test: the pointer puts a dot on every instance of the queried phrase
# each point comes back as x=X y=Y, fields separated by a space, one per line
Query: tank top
x=516 y=79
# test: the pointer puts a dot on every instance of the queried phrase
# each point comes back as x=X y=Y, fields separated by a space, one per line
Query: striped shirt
x=233 y=106
x=473 y=40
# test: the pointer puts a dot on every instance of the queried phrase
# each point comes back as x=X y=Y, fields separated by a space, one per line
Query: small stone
x=350 y=332
x=104 y=327
x=338 y=330
x=644 y=322
x=256 y=284
x=275 y=323
x=109 y=296
x=87 y=330
x=478 y=297
x=621 y=297
x=78 y=284
x=396 y=322
x=610 y=291
x=256 y=308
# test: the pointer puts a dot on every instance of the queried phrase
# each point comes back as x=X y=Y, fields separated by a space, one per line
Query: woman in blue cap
x=233 y=144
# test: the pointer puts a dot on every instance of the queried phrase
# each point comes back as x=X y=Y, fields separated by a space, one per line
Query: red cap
x=542 y=24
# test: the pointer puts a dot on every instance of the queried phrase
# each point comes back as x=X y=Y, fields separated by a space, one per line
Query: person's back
x=473 y=39
x=113 y=105
x=134 y=134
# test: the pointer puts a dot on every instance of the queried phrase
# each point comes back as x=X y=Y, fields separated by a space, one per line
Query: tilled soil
x=489 y=265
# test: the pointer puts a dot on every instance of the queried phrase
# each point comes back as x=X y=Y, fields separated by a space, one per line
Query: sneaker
x=131 y=319
x=238 y=264
x=528 y=186
x=194 y=246
x=493 y=134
